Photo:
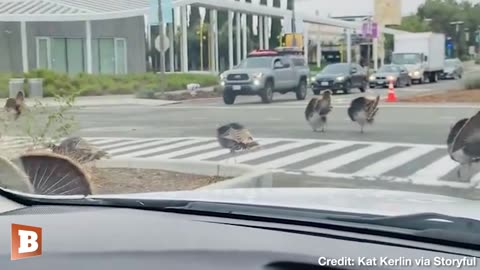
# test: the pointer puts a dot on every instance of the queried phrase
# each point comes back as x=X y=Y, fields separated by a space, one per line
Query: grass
x=97 y=84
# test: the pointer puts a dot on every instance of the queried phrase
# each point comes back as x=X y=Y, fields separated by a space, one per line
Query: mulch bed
x=117 y=181
x=468 y=96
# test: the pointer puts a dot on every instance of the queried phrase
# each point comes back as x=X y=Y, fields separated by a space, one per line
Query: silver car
x=453 y=69
x=395 y=73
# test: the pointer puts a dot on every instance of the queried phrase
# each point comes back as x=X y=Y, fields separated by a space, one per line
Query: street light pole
x=162 y=37
x=294 y=28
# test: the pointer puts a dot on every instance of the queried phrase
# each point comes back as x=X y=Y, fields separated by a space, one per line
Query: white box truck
x=422 y=54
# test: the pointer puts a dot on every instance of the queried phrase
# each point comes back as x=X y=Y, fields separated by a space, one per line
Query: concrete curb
x=244 y=176
x=80 y=104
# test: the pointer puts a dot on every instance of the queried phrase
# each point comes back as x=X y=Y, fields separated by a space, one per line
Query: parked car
x=396 y=73
x=453 y=69
x=265 y=72
x=340 y=76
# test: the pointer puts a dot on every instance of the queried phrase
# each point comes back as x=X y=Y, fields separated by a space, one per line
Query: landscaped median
x=114 y=176
x=97 y=84
x=469 y=94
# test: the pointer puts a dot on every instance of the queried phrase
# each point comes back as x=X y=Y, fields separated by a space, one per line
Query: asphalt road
x=281 y=119
x=406 y=144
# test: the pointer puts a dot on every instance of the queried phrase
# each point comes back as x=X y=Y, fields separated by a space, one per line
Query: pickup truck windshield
x=256 y=62
x=406 y=58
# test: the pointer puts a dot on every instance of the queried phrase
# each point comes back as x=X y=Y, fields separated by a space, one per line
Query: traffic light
x=283 y=41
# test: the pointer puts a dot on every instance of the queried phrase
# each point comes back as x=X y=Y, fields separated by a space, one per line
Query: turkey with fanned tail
x=235 y=137
x=363 y=109
x=317 y=110
x=463 y=142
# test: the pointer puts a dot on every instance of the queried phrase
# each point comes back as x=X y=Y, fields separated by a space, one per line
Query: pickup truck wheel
x=267 y=93
x=301 y=91
x=228 y=97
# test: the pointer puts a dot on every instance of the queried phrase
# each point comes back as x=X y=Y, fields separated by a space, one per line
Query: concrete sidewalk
x=102 y=101
x=88 y=101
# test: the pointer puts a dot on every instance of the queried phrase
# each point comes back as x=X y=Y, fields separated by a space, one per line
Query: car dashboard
x=83 y=237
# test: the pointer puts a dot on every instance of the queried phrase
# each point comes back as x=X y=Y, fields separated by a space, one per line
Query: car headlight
x=313 y=78
x=416 y=73
x=372 y=78
x=391 y=78
x=222 y=77
x=340 y=78
x=257 y=76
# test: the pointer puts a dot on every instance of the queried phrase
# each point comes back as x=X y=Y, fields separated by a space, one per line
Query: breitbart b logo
x=26 y=241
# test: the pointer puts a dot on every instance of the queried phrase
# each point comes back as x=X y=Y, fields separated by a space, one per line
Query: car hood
x=329 y=75
x=368 y=201
x=386 y=74
x=449 y=69
x=246 y=71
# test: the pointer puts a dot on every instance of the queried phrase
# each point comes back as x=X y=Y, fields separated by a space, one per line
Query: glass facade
x=68 y=55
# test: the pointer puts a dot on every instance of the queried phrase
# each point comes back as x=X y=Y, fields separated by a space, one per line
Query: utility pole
x=162 y=38
x=457 y=36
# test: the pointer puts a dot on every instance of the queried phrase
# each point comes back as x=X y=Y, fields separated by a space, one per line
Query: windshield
x=389 y=69
x=256 y=62
x=406 y=59
x=336 y=68
x=108 y=111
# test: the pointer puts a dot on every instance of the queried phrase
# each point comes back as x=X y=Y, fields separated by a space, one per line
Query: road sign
x=167 y=9
x=166 y=43
x=374 y=32
x=370 y=29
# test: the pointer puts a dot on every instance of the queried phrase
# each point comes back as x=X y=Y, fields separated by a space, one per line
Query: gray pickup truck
x=265 y=72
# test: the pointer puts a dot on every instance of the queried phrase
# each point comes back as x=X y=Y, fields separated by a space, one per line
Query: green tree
x=413 y=23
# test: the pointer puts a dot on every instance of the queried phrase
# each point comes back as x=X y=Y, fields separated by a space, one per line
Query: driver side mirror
x=353 y=71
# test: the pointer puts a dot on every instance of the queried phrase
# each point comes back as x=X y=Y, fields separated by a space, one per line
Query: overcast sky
x=352 y=7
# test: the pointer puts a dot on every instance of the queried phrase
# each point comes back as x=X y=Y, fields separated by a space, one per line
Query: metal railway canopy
x=88 y=10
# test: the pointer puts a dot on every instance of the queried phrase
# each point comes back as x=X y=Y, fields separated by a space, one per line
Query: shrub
x=40 y=123
x=101 y=84
x=472 y=82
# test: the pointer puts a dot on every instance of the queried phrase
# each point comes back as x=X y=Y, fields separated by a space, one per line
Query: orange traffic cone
x=391 y=93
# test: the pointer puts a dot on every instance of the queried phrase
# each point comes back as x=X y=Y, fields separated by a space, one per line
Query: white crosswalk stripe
x=416 y=163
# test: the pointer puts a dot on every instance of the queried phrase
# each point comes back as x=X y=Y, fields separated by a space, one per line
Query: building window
x=65 y=55
x=112 y=55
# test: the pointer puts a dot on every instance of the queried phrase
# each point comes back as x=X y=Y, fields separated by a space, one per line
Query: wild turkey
x=13 y=178
x=463 y=142
x=317 y=111
x=78 y=149
x=16 y=105
x=363 y=109
x=53 y=174
x=235 y=137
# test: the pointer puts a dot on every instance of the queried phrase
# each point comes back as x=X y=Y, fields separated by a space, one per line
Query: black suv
x=340 y=76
